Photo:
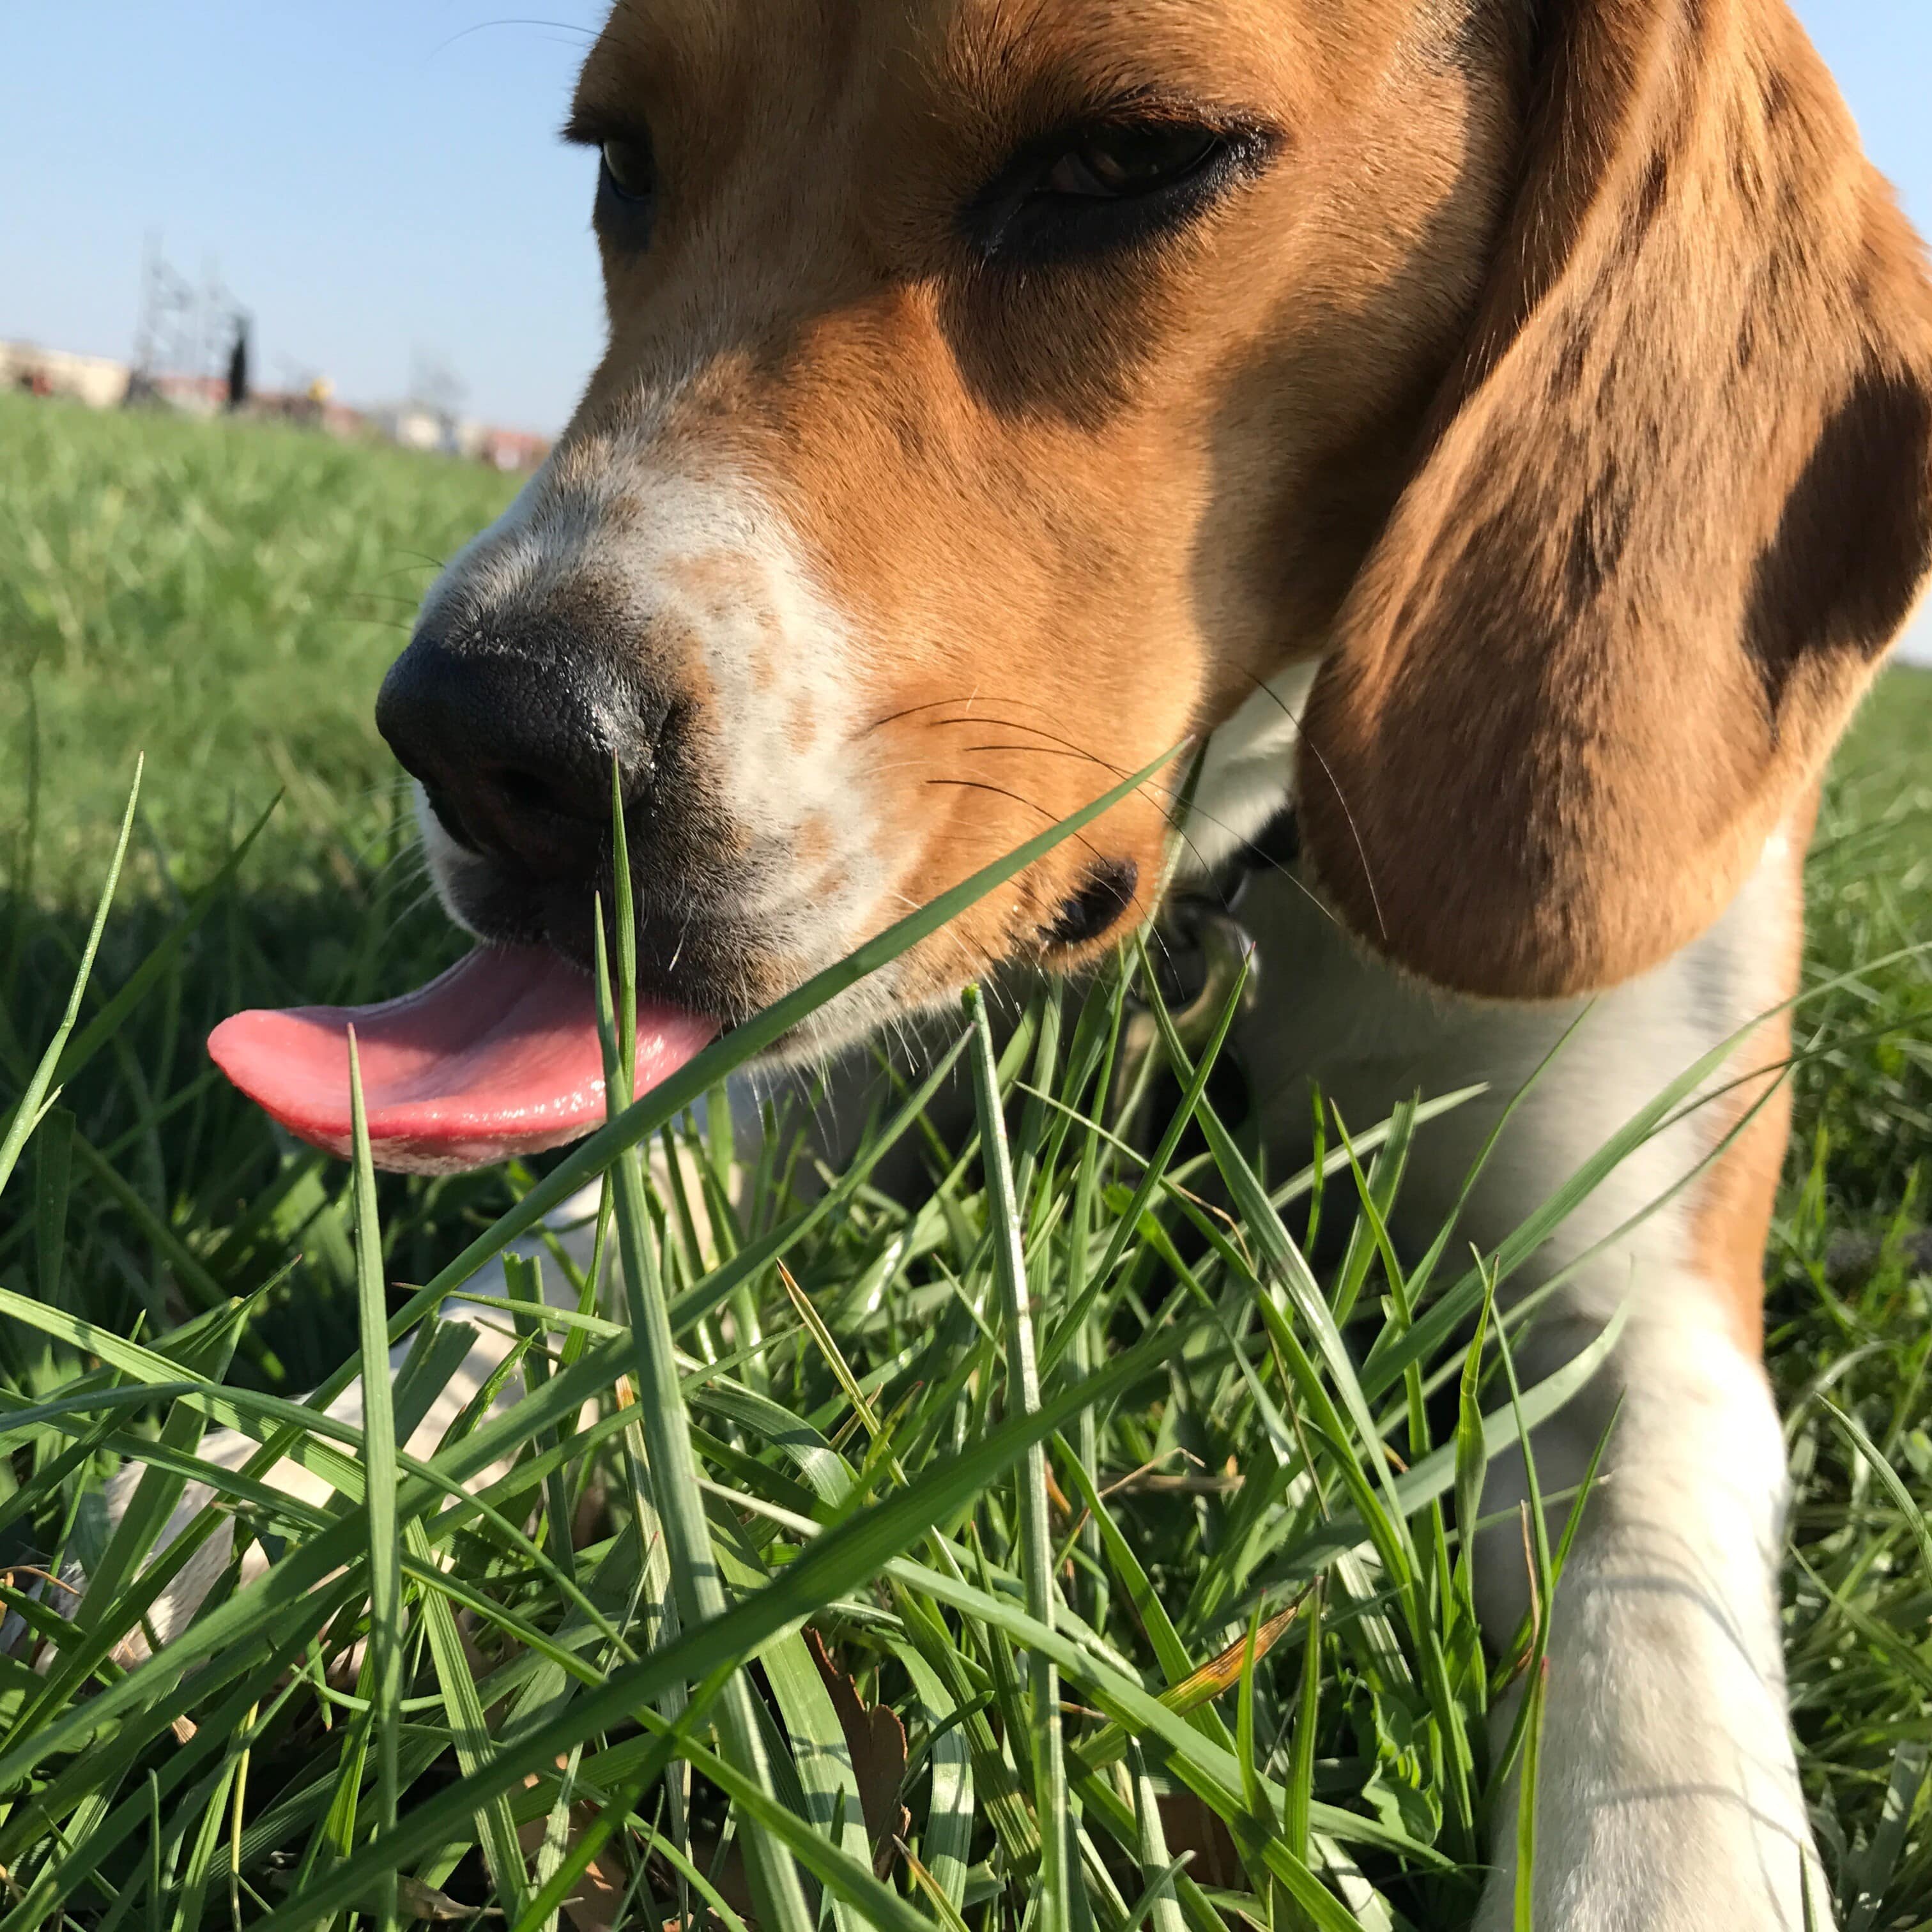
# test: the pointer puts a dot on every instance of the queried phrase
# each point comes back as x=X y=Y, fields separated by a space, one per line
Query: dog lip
x=699 y=948
x=652 y=987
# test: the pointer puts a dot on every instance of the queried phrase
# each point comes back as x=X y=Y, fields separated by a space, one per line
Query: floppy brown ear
x=1677 y=503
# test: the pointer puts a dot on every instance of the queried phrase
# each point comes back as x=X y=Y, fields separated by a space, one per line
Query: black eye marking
x=1126 y=178
x=1114 y=163
x=629 y=169
x=627 y=178
x=627 y=186
x=1105 y=894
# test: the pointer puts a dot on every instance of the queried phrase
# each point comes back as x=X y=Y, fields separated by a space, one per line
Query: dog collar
x=1205 y=950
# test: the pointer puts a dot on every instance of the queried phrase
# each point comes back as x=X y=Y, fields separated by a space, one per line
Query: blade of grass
x=1298 y=1802
x=838 y=1561
x=27 y=1110
x=1874 y=1458
x=469 y=1731
x=379 y=1445
x=1877 y=1868
x=53 y=1172
x=1523 y=1904
x=946 y=1844
x=643 y=1116
x=698 y=1587
x=1048 y=1758
x=1157 y=1903
x=76 y=1052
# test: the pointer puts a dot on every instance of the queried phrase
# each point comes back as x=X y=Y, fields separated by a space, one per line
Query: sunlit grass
x=1077 y=1479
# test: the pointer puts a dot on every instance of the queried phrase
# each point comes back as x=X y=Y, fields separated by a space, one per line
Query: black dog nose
x=513 y=732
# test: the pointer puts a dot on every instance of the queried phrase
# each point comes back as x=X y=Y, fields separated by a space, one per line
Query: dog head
x=1000 y=391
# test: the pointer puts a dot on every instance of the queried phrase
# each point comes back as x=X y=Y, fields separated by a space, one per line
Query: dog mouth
x=499 y=1057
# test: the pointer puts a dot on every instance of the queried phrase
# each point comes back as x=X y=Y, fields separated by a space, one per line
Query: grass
x=1120 y=1555
x=224 y=597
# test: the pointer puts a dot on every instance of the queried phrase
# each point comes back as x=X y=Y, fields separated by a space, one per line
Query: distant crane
x=199 y=331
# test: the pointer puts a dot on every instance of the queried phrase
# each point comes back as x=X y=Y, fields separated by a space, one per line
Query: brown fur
x=1750 y=1123
x=1570 y=400
x=1083 y=514
x=1678 y=501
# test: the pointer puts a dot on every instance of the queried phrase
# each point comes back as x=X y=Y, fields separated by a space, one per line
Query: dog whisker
x=1175 y=795
x=1037 y=751
x=586 y=34
x=978 y=784
x=983 y=720
x=940 y=703
x=1361 y=850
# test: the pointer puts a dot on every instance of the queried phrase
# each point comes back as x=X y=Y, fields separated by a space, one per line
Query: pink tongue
x=499 y=1057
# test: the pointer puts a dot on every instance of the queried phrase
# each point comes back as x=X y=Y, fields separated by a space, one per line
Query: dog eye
x=1110 y=186
x=628 y=168
x=1114 y=163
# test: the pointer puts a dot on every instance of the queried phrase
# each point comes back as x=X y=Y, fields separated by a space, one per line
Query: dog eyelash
x=627 y=178
x=592 y=130
x=1067 y=196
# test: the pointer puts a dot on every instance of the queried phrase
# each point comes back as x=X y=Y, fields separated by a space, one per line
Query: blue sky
x=377 y=181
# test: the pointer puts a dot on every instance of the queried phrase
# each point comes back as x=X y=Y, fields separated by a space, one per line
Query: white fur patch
x=445 y=860
x=1668 y=1799
x=1668 y=1795
x=1249 y=773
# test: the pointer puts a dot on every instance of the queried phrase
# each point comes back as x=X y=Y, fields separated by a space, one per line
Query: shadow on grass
x=157 y=1190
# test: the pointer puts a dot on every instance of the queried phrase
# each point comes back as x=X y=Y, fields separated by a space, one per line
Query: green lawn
x=222 y=597
x=223 y=600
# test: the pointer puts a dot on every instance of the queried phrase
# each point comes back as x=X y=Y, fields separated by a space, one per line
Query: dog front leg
x=1667 y=1797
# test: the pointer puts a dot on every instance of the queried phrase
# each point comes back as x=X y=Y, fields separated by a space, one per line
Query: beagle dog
x=1501 y=429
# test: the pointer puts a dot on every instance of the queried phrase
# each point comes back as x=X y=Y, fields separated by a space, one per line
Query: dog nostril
x=527 y=791
x=1105 y=893
x=513 y=733
x=442 y=808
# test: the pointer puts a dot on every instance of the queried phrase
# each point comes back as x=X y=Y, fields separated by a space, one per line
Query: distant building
x=313 y=408
x=421 y=426
x=512 y=449
x=192 y=395
x=105 y=384
x=412 y=426
x=97 y=380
